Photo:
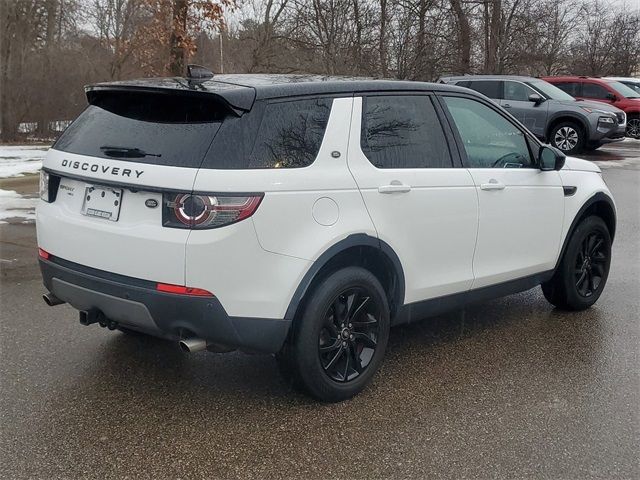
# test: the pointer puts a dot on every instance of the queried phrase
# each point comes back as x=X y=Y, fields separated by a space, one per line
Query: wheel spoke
x=598 y=258
x=356 y=358
x=332 y=347
x=346 y=366
x=370 y=322
x=365 y=339
x=358 y=309
x=596 y=247
x=335 y=358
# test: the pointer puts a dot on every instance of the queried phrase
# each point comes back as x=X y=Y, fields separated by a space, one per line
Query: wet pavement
x=510 y=388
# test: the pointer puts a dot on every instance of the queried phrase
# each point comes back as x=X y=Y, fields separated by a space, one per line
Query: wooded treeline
x=49 y=49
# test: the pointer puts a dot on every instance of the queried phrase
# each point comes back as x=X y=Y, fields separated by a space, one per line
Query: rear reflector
x=180 y=290
x=43 y=254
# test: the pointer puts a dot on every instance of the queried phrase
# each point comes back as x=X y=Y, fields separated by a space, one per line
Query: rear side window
x=592 y=90
x=489 y=88
x=403 y=132
x=283 y=134
x=572 y=88
x=145 y=128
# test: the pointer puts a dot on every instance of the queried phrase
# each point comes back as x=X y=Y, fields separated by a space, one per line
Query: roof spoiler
x=239 y=99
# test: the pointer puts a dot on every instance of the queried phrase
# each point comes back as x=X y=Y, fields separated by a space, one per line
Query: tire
x=633 y=127
x=584 y=268
x=315 y=356
x=569 y=137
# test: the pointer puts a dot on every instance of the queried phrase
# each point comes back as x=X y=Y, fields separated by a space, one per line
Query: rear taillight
x=198 y=211
x=48 y=186
x=43 y=254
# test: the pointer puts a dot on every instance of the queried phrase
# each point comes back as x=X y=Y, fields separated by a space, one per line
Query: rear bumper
x=136 y=304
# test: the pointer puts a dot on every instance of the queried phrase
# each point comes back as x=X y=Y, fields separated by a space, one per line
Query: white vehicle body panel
x=519 y=225
x=432 y=228
x=137 y=245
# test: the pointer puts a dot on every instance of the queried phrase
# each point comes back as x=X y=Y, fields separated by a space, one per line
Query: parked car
x=549 y=113
x=305 y=216
x=611 y=92
x=633 y=83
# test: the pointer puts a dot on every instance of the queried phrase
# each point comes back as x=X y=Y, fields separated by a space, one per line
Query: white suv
x=304 y=216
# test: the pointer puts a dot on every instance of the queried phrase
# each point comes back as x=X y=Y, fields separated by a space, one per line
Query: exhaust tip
x=190 y=345
x=51 y=300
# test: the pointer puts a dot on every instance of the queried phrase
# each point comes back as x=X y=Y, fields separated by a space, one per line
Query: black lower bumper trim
x=136 y=303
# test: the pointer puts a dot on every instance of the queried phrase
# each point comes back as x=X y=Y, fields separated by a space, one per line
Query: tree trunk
x=383 y=38
x=8 y=125
x=178 y=35
x=464 y=36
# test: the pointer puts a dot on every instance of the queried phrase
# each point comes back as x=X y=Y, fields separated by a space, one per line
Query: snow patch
x=16 y=161
x=14 y=205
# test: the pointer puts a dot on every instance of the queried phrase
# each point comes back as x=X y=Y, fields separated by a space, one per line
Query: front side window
x=403 y=132
x=489 y=139
x=517 y=91
x=592 y=90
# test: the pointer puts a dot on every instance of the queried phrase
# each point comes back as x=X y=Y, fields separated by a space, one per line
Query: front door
x=521 y=207
x=516 y=101
x=422 y=202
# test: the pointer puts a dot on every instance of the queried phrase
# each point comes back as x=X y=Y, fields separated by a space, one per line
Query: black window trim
x=496 y=108
x=456 y=160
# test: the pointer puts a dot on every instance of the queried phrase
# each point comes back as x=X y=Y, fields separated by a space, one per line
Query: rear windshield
x=192 y=132
x=145 y=128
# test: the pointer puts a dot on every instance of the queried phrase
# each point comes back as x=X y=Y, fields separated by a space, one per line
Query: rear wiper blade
x=126 y=152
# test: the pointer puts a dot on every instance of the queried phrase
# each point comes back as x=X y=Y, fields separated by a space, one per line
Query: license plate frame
x=102 y=202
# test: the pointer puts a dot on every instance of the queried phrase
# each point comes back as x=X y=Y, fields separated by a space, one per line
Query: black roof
x=241 y=90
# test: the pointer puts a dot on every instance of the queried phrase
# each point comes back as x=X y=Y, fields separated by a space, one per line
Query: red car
x=607 y=91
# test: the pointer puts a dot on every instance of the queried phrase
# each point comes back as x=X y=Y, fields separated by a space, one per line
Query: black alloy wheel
x=348 y=338
x=590 y=264
x=583 y=270
x=338 y=340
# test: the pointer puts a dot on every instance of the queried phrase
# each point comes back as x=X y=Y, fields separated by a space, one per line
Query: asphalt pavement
x=509 y=388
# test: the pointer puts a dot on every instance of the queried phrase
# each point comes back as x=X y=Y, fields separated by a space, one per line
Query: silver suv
x=549 y=113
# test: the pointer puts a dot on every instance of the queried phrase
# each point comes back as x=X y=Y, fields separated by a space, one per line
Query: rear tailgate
x=113 y=165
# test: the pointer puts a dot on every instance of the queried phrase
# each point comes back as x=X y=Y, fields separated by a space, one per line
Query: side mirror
x=550 y=158
x=535 y=98
x=612 y=97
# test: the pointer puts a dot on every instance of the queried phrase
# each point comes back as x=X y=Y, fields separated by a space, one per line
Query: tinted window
x=592 y=90
x=490 y=140
x=403 y=132
x=572 y=88
x=490 y=88
x=145 y=128
x=517 y=91
x=290 y=134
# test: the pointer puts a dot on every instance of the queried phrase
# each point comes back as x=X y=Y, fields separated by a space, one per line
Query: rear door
x=516 y=102
x=421 y=202
x=521 y=207
x=110 y=169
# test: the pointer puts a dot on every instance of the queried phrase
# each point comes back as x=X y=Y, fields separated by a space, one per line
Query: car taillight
x=48 y=186
x=199 y=211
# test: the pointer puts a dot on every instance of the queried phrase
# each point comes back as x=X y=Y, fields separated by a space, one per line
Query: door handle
x=492 y=185
x=506 y=105
x=394 y=187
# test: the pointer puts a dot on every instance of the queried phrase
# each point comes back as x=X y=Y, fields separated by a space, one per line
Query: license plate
x=102 y=202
